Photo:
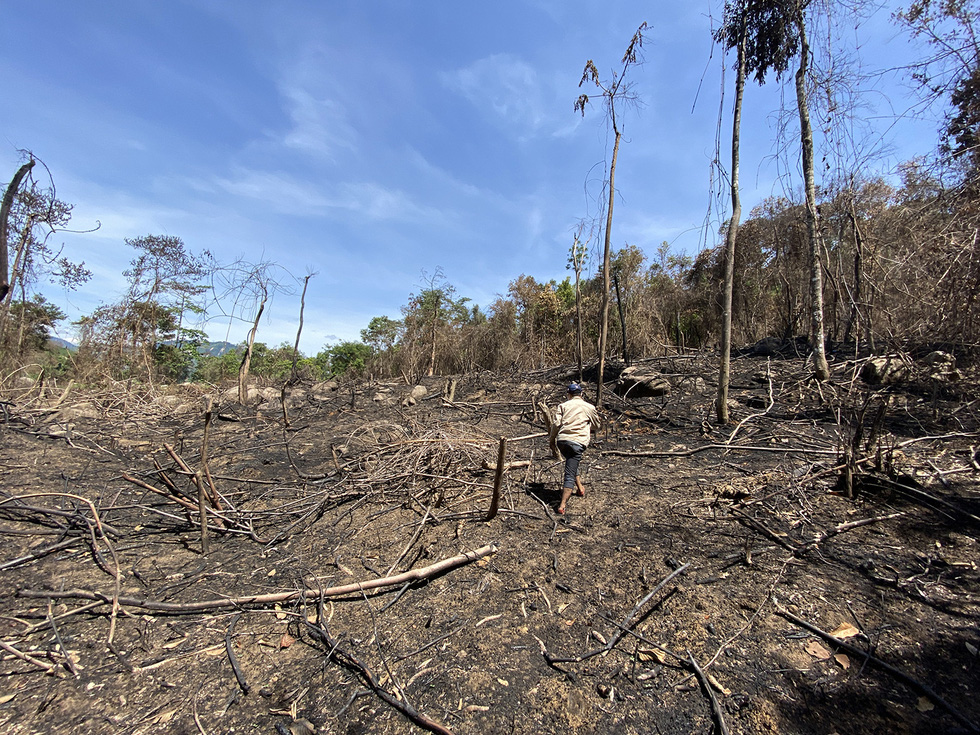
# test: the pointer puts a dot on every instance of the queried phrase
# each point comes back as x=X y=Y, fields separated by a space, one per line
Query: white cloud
x=506 y=85
x=320 y=125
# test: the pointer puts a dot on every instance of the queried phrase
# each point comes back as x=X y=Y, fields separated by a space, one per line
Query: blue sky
x=372 y=141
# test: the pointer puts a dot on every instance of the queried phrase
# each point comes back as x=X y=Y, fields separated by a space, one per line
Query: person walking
x=575 y=420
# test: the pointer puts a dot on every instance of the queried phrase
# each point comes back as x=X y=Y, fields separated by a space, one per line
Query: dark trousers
x=572 y=452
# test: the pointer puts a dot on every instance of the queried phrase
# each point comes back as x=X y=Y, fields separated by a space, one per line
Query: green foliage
x=770 y=31
x=218 y=369
x=345 y=359
x=382 y=333
x=31 y=323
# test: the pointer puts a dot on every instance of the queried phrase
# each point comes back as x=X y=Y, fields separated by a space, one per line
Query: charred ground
x=694 y=543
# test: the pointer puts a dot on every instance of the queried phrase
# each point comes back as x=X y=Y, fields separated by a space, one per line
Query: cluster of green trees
x=858 y=260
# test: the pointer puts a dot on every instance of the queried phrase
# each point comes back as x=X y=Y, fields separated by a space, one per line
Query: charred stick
x=430 y=644
x=498 y=479
x=706 y=685
x=625 y=625
x=164 y=477
x=765 y=531
x=408 y=546
x=914 y=684
x=215 y=497
x=50 y=669
x=239 y=674
x=37 y=554
x=202 y=512
x=841 y=528
x=644 y=639
x=350 y=661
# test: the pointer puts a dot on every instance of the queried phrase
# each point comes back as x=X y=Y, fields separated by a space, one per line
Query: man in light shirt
x=575 y=421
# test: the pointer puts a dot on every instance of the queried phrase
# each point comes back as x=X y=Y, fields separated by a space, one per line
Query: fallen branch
x=765 y=531
x=706 y=685
x=50 y=669
x=852 y=525
x=239 y=674
x=886 y=667
x=623 y=627
x=498 y=478
x=724 y=447
x=349 y=660
x=181 y=608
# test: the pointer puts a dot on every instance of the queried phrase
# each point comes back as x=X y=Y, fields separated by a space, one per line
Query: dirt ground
x=694 y=543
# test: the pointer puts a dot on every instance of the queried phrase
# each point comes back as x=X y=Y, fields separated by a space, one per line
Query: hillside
x=726 y=547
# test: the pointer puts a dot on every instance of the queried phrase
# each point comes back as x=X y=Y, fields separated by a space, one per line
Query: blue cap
x=574 y=388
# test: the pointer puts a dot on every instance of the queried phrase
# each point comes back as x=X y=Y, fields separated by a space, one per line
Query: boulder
x=78 y=411
x=322 y=391
x=414 y=396
x=635 y=382
x=942 y=366
x=886 y=370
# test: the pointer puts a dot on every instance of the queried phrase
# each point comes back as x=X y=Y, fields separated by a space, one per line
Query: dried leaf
x=503 y=682
x=843 y=661
x=174 y=644
x=286 y=641
x=718 y=686
x=164 y=717
x=650 y=654
x=845 y=630
x=925 y=705
x=816 y=650
x=4 y=698
x=301 y=727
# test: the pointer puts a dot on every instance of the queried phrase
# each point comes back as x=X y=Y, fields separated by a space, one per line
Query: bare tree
x=615 y=91
x=821 y=369
x=241 y=291
x=8 y=202
x=733 y=34
x=576 y=260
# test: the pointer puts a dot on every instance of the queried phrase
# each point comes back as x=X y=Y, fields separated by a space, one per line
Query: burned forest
x=381 y=557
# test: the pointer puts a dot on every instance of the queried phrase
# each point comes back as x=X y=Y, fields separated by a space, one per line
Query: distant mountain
x=217 y=349
x=214 y=349
x=58 y=342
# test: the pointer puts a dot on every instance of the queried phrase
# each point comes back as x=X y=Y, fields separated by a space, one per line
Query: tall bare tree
x=733 y=34
x=5 y=206
x=614 y=91
x=821 y=369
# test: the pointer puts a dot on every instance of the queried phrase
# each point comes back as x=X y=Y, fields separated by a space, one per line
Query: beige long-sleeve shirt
x=576 y=420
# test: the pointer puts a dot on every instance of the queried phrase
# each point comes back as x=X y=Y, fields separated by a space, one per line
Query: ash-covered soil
x=694 y=543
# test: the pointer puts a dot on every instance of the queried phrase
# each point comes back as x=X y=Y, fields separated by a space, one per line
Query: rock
x=60 y=430
x=768 y=347
x=78 y=411
x=414 y=396
x=636 y=383
x=322 y=391
x=886 y=370
x=942 y=366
